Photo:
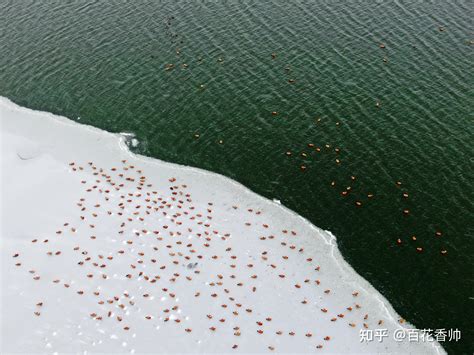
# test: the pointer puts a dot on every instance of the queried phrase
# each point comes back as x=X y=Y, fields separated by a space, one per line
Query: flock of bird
x=348 y=188
x=327 y=148
x=162 y=250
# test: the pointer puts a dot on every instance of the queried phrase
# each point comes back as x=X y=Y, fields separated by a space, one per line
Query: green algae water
x=357 y=115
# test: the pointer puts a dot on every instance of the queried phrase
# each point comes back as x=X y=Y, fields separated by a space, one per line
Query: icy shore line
x=103 y=250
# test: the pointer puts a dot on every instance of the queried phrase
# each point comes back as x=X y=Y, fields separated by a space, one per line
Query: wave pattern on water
x=105 y=62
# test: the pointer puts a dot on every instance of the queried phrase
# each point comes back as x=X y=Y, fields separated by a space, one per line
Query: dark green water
x=105 y=63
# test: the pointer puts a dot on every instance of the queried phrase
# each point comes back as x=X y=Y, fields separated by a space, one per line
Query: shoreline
x=40 y=139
